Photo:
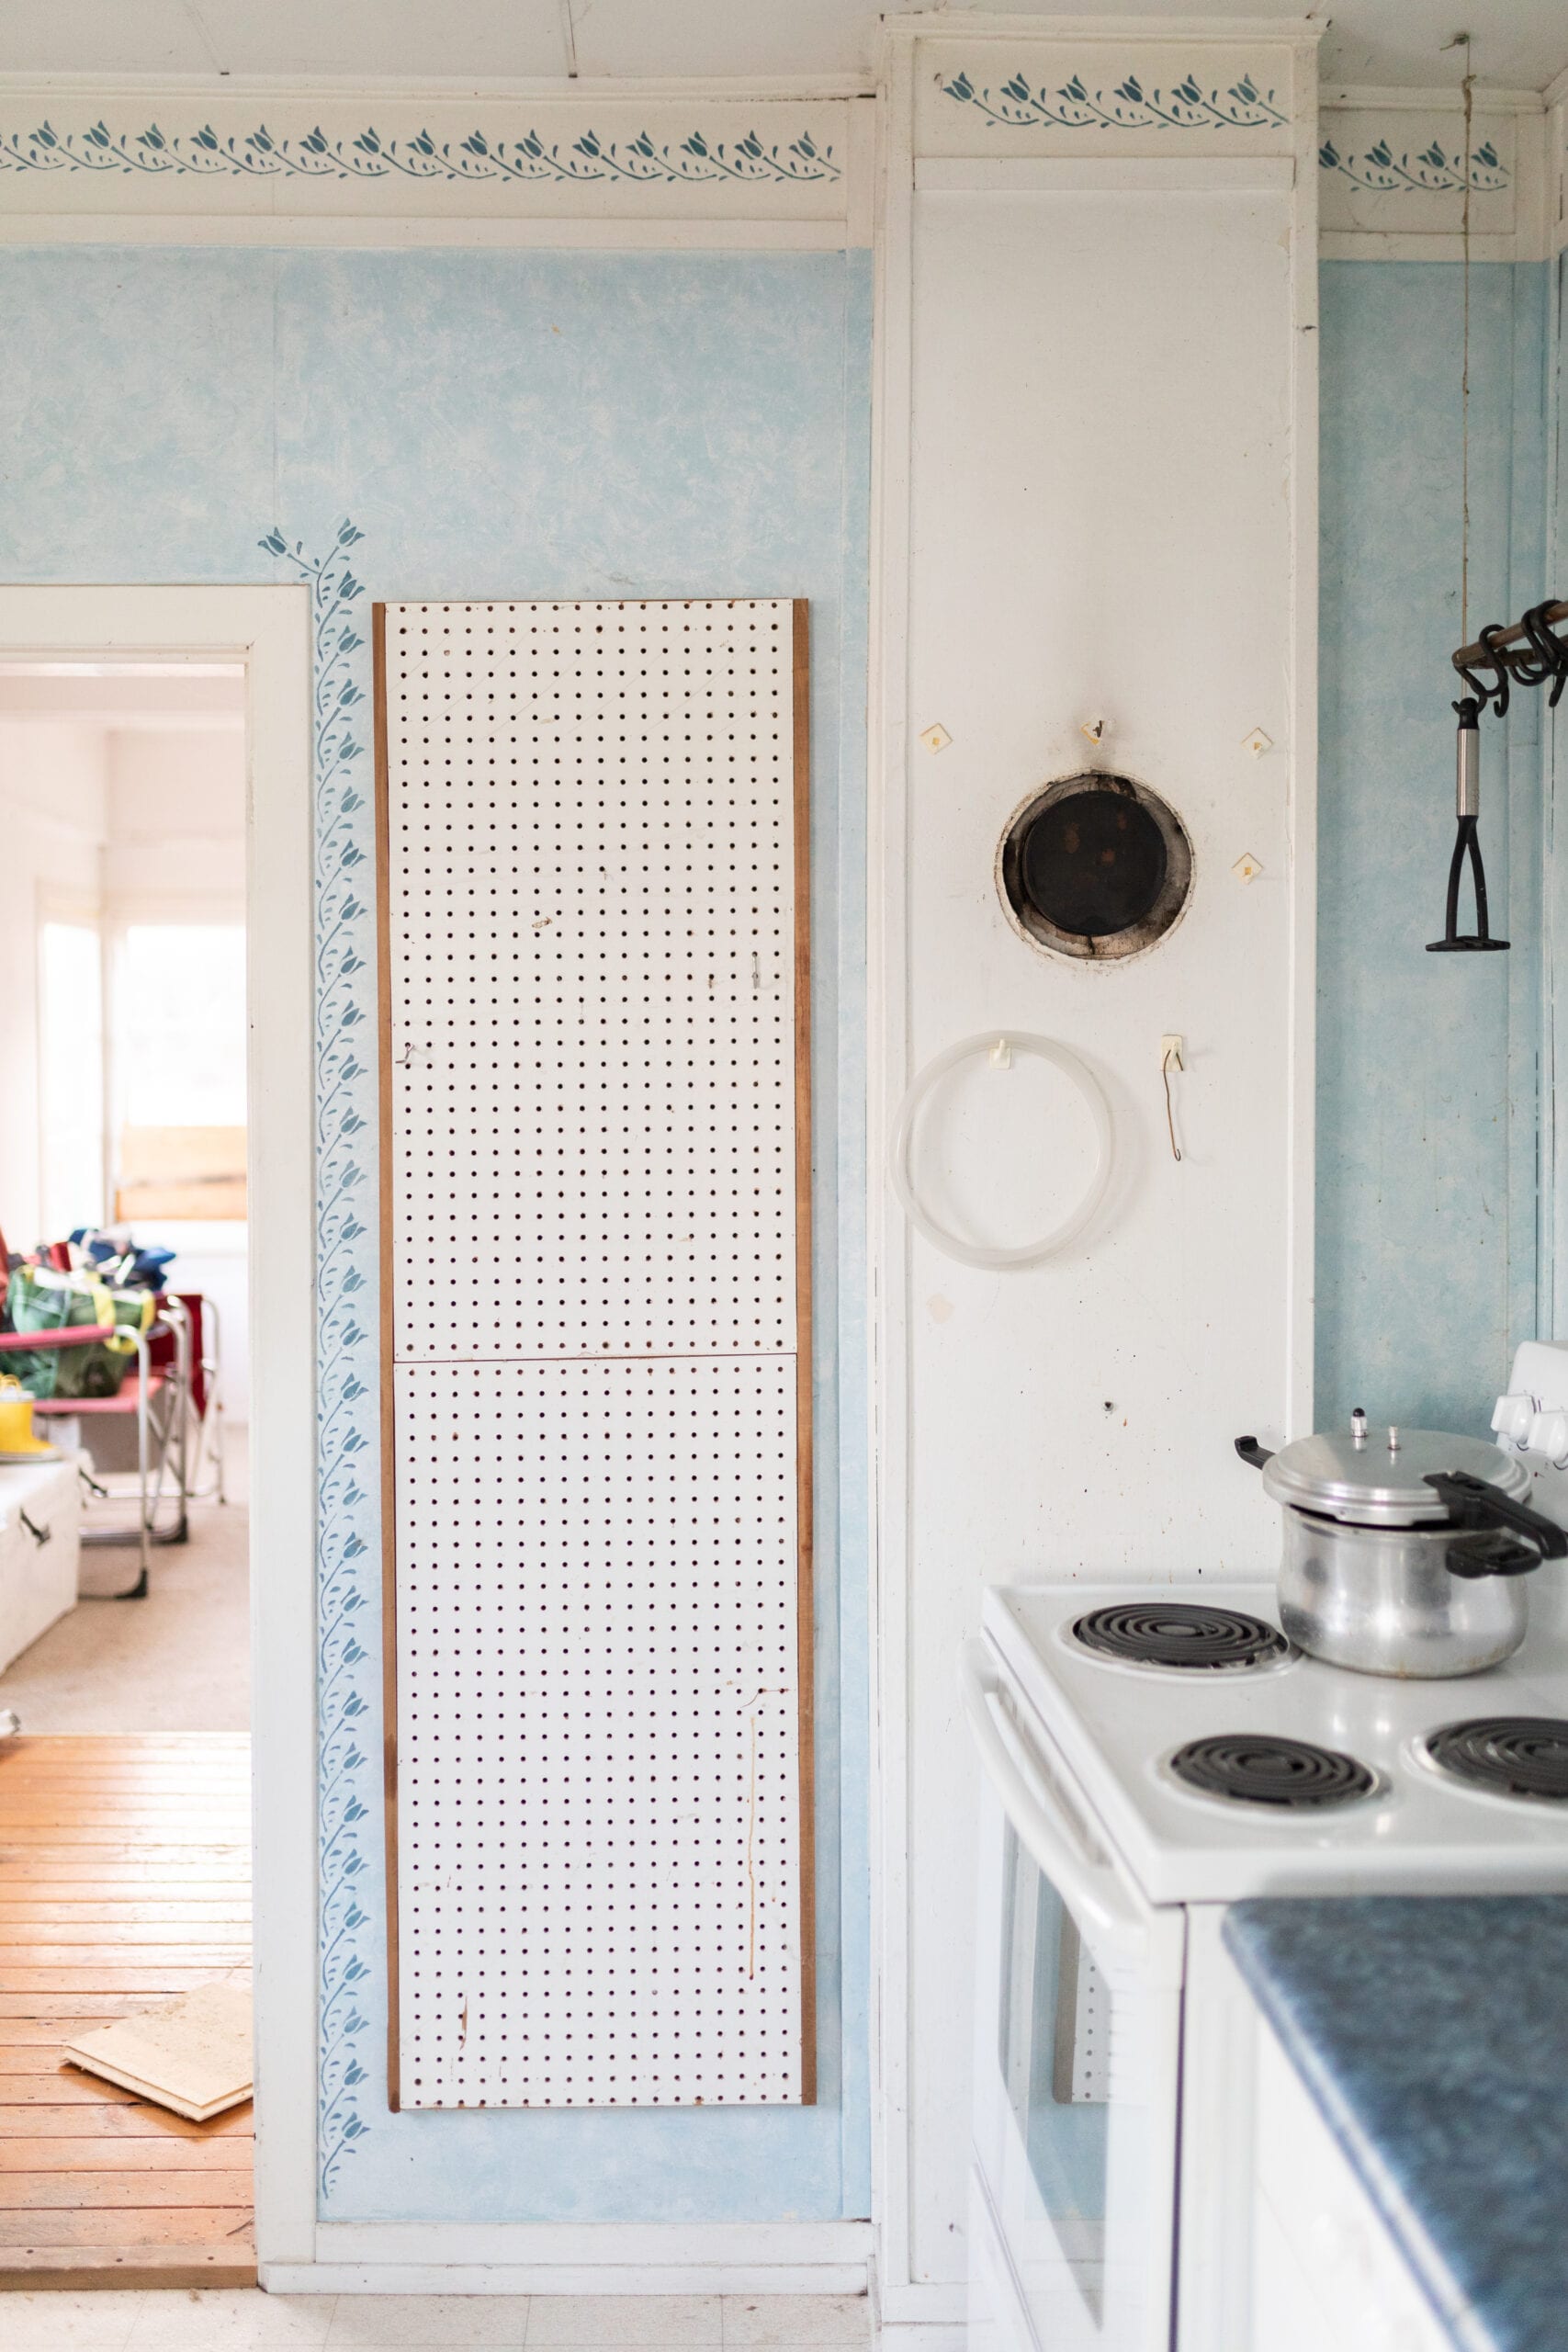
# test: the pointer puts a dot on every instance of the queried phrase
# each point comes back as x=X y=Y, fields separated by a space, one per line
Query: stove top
x=1180 y=1636
x=1402 y=1814
x=1265 y=1767
x=1510 y=1756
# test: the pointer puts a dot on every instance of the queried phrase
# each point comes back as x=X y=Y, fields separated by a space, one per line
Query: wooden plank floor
x=125 y=1878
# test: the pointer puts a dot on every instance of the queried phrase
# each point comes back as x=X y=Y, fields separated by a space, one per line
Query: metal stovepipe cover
x=1467 y=795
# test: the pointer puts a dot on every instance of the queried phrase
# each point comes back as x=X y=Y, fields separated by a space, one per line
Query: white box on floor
x=40 y=1525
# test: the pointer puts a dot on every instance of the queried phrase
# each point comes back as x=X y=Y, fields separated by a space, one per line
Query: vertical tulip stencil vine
x=346 y=1339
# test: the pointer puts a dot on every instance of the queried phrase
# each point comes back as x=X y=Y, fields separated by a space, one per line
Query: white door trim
x=908 y=2300
x=886 y=1261
x=269 y=628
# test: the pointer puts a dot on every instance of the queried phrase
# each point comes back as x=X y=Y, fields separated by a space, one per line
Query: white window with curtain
x=178 y=1061
x=71 y=1068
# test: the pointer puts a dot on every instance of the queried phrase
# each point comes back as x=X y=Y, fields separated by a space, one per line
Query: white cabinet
x=40 y=1518
x=1326 y=2275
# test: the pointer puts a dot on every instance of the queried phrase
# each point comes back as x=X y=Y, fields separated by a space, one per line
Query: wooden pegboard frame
x=609 y=1322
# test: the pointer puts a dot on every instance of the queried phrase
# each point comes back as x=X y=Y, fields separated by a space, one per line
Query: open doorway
x=122 y=1175
x=125 y=1874
x=125 y=1854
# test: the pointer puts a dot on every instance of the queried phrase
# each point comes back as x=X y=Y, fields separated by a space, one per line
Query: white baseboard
x=540 y=2279
x=923 y=2335
x=925 y=2315
x=579 y=2258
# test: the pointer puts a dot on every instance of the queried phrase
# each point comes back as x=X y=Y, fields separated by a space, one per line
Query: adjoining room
x=124 y=1569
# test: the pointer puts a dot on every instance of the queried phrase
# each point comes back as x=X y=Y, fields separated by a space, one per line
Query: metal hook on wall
x=1527 y=654
x=1494 y=658
x=1551 y=652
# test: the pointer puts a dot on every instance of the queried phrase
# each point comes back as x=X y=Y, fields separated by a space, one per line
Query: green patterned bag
x=40 y=1300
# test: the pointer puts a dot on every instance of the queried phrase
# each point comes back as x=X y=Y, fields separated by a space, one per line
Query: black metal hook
x=1526 y=655
x=1530 y=663
x=1551 y=652
x=1498 y=692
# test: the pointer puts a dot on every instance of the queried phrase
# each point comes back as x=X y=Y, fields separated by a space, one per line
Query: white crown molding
x=1556 y=92
x=1095 y=175
x=555 y=90
x=1393 y=186
x=1358 y=97
x=1394 y=244
x=1076 y=85
x=415 y=232
x=1106 y=31
x=301 y=164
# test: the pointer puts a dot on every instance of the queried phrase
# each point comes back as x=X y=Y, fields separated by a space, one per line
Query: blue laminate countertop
x=1432 y=2031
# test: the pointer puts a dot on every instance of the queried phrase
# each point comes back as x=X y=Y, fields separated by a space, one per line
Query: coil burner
x=1514 y=1756
x=1180 y=1635
x=1262 y=1768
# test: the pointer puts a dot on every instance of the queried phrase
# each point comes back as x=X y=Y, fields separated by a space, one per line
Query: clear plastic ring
x=1007 y=1043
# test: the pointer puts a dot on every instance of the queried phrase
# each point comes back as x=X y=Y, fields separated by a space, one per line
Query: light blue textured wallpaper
x=1428 y=1257
x=471 y=424
x=466 y=424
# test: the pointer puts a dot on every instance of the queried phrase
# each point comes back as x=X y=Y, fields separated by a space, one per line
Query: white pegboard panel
x=590 y=845
x=591 y=926
x=598 y=1758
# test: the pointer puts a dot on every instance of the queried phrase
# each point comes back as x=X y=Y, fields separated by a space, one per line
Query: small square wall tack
x=936 y=739
x=1257 y=742
x=1247 y=867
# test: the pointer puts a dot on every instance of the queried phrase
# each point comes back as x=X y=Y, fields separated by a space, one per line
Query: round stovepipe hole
x=1095 y=867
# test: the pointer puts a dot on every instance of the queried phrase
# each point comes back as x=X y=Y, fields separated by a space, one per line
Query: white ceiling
x=1516 y=43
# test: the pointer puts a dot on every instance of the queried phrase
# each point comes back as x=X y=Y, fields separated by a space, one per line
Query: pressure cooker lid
x=1379 y=1480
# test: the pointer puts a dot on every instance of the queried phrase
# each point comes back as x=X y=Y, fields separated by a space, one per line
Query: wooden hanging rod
x=1468 y=655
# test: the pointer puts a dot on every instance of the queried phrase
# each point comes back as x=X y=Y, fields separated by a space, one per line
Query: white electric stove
x=1386 y=1810
x=1152 y=1753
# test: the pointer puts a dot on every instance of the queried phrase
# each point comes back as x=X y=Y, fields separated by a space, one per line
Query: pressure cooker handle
x=1477 y=1505
x=1250 y=1451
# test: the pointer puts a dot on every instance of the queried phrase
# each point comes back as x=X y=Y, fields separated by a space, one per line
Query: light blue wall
x=607 y=426
x=510 y=426
x=1427 y=1092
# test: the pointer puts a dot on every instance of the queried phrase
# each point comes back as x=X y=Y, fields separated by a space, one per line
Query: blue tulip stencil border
x=347 y=1345
x=1436 y=171
x=366 y=156
x=1017 y=105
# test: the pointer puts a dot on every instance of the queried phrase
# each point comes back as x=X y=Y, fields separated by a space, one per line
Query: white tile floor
x=243 y=2320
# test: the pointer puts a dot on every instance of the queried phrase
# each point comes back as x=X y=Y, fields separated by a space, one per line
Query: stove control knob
x=1511 y=1417
x=1549 y=1435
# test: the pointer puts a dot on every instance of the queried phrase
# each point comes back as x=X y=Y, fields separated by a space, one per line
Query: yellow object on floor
x=192 y=2056
x=16 y=1437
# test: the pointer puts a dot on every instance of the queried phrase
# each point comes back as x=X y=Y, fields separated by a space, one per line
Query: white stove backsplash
x=1531 y=1420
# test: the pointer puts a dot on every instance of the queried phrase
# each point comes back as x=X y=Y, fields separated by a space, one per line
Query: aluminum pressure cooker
x=1404 y=1550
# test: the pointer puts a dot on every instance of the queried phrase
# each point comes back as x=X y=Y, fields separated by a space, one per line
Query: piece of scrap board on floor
x=593 y=845
x=124 y=1884
x=192 y=2056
